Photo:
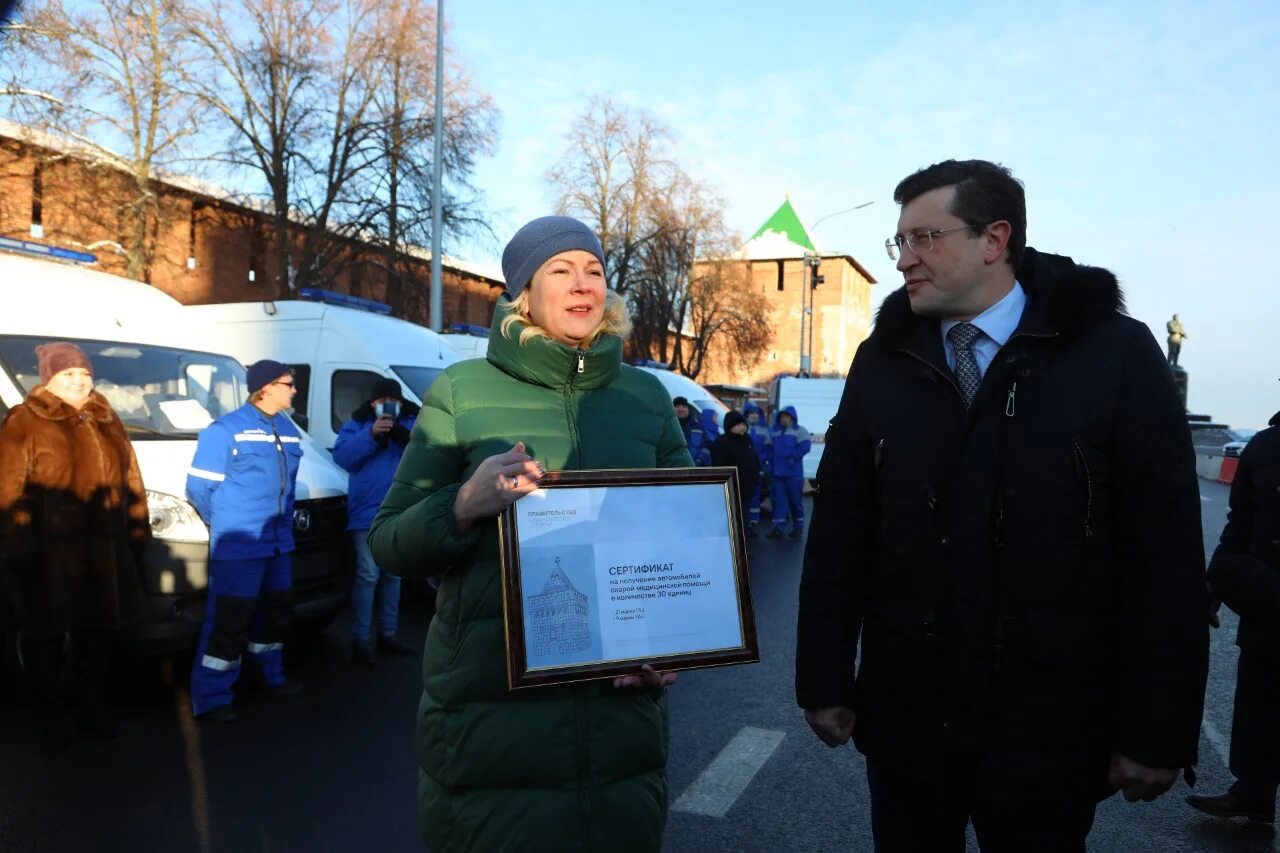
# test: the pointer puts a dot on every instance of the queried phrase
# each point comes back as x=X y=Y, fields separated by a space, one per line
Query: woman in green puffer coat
x=565 y=768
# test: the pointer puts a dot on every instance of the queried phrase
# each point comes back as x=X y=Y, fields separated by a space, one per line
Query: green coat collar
x=549 y=363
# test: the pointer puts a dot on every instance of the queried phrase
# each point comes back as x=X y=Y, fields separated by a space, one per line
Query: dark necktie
x=962 y=337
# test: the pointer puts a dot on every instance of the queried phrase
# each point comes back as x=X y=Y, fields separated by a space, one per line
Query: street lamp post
x=804 y=358
x=813 y=260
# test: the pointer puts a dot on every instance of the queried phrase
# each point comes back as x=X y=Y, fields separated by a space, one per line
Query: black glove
x=1247 y=585
x=399 y=434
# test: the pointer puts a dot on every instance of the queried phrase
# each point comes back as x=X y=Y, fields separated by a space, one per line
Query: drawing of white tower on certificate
x=558 y=617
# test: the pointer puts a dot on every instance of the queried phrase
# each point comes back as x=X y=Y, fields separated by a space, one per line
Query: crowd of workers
x=774 y=467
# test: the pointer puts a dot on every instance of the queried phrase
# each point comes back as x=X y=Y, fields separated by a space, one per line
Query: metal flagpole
x=437 y=173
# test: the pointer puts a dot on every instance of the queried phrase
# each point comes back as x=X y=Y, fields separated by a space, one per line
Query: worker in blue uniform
x=695 y=437
x=242 y=483
x=710 y=424
x=790 y=443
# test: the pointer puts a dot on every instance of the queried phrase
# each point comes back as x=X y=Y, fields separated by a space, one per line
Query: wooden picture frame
x=606 y=570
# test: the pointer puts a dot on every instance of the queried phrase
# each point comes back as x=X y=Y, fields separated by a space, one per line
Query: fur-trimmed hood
x=1063 y=297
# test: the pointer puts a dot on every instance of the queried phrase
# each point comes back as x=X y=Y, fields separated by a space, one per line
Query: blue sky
x=1146 y=133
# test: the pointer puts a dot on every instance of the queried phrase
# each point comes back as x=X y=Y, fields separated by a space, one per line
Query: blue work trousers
x=248 y=609
x=788 y=493
x=372 y=583
x=753 y=502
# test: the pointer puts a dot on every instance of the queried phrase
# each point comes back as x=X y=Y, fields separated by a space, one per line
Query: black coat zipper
x=1087 y=475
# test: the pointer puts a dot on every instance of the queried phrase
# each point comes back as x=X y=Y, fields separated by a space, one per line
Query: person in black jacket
x=1025 y=579
x=734 y=447
x=1245 y=574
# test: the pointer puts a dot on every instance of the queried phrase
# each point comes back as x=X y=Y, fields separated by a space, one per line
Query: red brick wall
x=83 y=204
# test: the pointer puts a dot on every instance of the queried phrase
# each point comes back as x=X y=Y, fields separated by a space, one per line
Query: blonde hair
x=616 y=320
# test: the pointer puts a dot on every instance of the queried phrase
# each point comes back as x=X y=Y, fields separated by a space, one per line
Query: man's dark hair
x=985 y=193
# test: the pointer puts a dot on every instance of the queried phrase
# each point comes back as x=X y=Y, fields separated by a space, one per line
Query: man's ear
x=996 y=242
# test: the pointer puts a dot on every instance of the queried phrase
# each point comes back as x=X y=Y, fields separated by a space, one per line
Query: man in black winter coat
x=1008 y=525
x=1245 y=574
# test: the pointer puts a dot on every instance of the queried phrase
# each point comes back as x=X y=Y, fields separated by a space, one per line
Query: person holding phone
x=369 y=447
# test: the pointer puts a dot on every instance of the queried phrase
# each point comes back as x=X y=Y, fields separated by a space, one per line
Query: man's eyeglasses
x=918 y=242
x=281 y=382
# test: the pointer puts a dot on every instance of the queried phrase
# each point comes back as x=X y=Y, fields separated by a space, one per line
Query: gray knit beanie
x=540 y=240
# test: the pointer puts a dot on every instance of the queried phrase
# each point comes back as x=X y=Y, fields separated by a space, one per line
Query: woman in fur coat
x=73 y=523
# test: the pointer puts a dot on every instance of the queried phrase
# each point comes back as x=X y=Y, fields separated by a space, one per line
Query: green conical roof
x=786 y=221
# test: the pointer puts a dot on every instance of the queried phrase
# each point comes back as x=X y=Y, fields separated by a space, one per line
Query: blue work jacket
x=370 y=463
x=242 y=481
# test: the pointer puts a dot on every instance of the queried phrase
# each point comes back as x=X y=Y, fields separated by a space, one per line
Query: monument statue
x=1177 y=335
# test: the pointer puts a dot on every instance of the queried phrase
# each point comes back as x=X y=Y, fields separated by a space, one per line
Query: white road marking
x=1217 y=741
x=718 y=787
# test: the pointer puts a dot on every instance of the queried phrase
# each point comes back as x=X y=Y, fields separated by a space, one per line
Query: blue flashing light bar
x=332 y=297
x=470 y=329
x=648 y=362
x=40 y=250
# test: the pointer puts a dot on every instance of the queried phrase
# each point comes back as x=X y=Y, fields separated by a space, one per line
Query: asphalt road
x=333 y=768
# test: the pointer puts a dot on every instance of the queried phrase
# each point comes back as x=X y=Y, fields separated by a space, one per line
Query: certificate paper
x=612 y=576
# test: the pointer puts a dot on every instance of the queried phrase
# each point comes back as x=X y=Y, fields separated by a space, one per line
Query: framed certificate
x=604 y=571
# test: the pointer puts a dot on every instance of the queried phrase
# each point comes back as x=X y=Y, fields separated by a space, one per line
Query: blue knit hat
x=538 y=241
x=261 y=373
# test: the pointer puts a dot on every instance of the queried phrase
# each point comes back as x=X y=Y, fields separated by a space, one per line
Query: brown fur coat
x=73 y=513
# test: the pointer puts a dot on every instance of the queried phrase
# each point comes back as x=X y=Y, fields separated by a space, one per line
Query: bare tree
x=612 y=168
x=728 y=318
x=329 y=103
x=692 y=299
x=292 y=82
x=400 y=190
x=683 y=220
x=107 y=76
x=667 y=248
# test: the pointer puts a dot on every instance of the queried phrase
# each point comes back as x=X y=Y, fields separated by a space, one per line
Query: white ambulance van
x=338 y=347
x=816 y=402
x=468 y=341
x=166 y=378
x=679 y=385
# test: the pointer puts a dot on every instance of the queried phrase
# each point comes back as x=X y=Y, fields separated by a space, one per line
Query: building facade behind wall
x=841 y=304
